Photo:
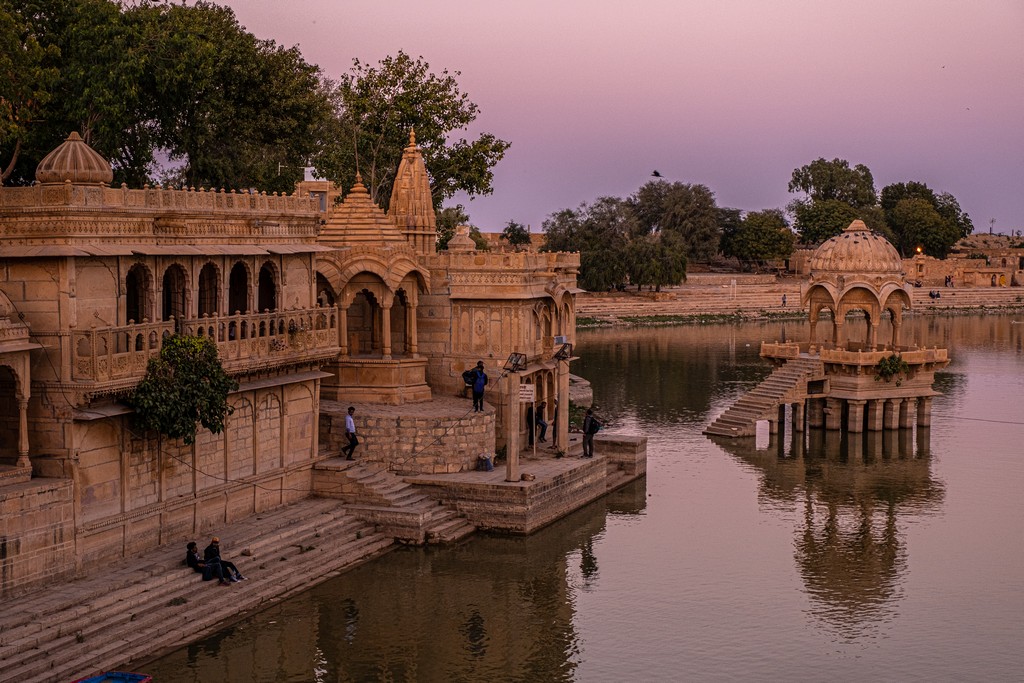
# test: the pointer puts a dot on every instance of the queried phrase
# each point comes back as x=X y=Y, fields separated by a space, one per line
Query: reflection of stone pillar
x=855 y=444
x=773 y=423
x=908 y=413
x=385 y=331
x=924 y=411
x=876 y=413
x=798 y=416
x=23 y=460
x=343 y=330
x=855 y=418
x=924 y=442
x=892 y=413
x=815 y=412
x=833 y=414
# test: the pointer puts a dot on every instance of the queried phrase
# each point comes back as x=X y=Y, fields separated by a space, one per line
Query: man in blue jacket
x=479 y=382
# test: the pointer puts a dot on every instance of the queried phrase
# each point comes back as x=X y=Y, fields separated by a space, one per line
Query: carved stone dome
x=857 y=250
x=75 y=161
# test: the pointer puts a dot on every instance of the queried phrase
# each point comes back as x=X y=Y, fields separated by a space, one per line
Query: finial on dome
x=359 y=177
x=412 y=136
x=857 y=226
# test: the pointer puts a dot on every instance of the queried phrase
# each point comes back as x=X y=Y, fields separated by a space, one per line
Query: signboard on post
x=527 y=393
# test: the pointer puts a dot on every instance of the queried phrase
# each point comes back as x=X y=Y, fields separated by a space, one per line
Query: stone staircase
x=141 y=607
x=786 y=384
x=400 y=509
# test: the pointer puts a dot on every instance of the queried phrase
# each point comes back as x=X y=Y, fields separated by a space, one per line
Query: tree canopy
x=835 y=196
x=918 y=217
x=760 y=236
x=375 y=108
x=516 y=234
x=184 y=385
x=689 y=211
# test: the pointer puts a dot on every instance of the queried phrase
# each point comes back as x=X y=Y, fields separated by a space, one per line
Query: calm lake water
x=894 y=558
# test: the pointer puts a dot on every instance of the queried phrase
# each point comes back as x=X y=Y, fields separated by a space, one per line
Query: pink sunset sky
x=734 y=94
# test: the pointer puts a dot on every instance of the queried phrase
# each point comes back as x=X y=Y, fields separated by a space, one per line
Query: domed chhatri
x=857 y=250
x=74 y=161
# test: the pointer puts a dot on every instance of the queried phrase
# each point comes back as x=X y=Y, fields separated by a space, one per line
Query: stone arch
x=138 y=287
x=268 y=285
x=175 y=292
x=209 y=290
x=325 y=292
x=239 y=288
x=268 y=443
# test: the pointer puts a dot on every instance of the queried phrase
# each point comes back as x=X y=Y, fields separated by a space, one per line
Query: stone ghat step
x=67 y=598
x=133 y=607
x=130 y=644
x=143 y=632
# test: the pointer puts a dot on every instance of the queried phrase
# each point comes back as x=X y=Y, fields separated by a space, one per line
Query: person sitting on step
x=209 y=570
x=212 y=552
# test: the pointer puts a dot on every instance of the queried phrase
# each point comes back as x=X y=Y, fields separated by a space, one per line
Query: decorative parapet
x=245 y=342
x=791 y=350
x=516 y=260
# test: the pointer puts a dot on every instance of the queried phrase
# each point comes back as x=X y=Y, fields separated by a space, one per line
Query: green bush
x=186 y=384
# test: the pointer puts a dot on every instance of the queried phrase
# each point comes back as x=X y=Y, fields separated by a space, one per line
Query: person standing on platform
x=541 y=422
x=591 y=426
x=350 y=434
x=479 y=382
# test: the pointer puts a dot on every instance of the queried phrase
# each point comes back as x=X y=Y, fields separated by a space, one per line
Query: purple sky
x=734 y=94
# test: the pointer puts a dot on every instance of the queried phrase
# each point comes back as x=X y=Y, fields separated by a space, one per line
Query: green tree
x=600 y=232
x=824 y=180
x=516 y=234
x=26 y=79
x=687 y=210
x=920 y=218
x=656 y=260
x=376 y=107
x=816 y=221
x=762 y=236
x=184 y=385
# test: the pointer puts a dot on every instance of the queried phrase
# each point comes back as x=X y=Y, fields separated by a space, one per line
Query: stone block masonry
x=36 y=533
x=443 y=436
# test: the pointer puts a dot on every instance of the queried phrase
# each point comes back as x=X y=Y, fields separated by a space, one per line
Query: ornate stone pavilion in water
x=833 y=380
x=312 y=305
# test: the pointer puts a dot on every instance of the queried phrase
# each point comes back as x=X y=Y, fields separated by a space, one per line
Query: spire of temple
x=411 y=208
x=359 y=220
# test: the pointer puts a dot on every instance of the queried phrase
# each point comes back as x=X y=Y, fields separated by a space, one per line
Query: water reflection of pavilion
x=851 y=492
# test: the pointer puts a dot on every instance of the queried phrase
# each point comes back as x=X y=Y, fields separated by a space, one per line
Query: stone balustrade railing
x=110 y=354
x=912 y=355
x=157 y=198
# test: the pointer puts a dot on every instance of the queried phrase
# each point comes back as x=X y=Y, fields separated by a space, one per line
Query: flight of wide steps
x=740 y=419
x=376 y=495
x=140 y=607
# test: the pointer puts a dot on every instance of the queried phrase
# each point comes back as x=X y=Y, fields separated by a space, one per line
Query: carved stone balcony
x=115 y=358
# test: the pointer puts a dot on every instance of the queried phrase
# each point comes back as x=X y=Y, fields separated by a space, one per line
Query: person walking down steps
x=350 y=434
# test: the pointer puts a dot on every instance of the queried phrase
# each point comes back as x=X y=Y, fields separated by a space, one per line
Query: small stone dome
x=75 y=161
x=857 y=250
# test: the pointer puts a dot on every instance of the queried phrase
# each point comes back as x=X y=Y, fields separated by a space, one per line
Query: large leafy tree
x=153 y=80
x=762 y=236
x=516 y=234
x=835 y=195
x=26 y=78
x=689 y=211
x=918 y=217
x=600 y=232
x=376 y=107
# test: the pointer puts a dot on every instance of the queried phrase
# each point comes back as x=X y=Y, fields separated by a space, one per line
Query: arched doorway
x=238 y=289
x=138 y=285
x=209 y=289
x=363 y=324
x=175 y=293
x=267 y=298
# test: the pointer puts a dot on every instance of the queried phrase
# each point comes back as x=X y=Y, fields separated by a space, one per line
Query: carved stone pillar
x=855 y=416
x=798 y=416
x=343 y=329
x=908 y=413
x=833 y=414
x=23 y=460
x=385 y=330
x=892 y=413
x=876 y=414
x=924 y=411
x=410 y=330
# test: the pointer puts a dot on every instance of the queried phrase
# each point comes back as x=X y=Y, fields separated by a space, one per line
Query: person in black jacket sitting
x=209 y=570
x=212 y=552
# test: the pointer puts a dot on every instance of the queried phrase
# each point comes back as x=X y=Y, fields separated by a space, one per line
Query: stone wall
x=439 y=439
x=37 y=534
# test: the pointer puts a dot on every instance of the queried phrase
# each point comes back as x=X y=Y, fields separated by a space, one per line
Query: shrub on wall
x=185 y=385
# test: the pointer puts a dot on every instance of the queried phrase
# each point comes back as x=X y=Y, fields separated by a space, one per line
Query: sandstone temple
x=313 y=304
x=856 y=372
